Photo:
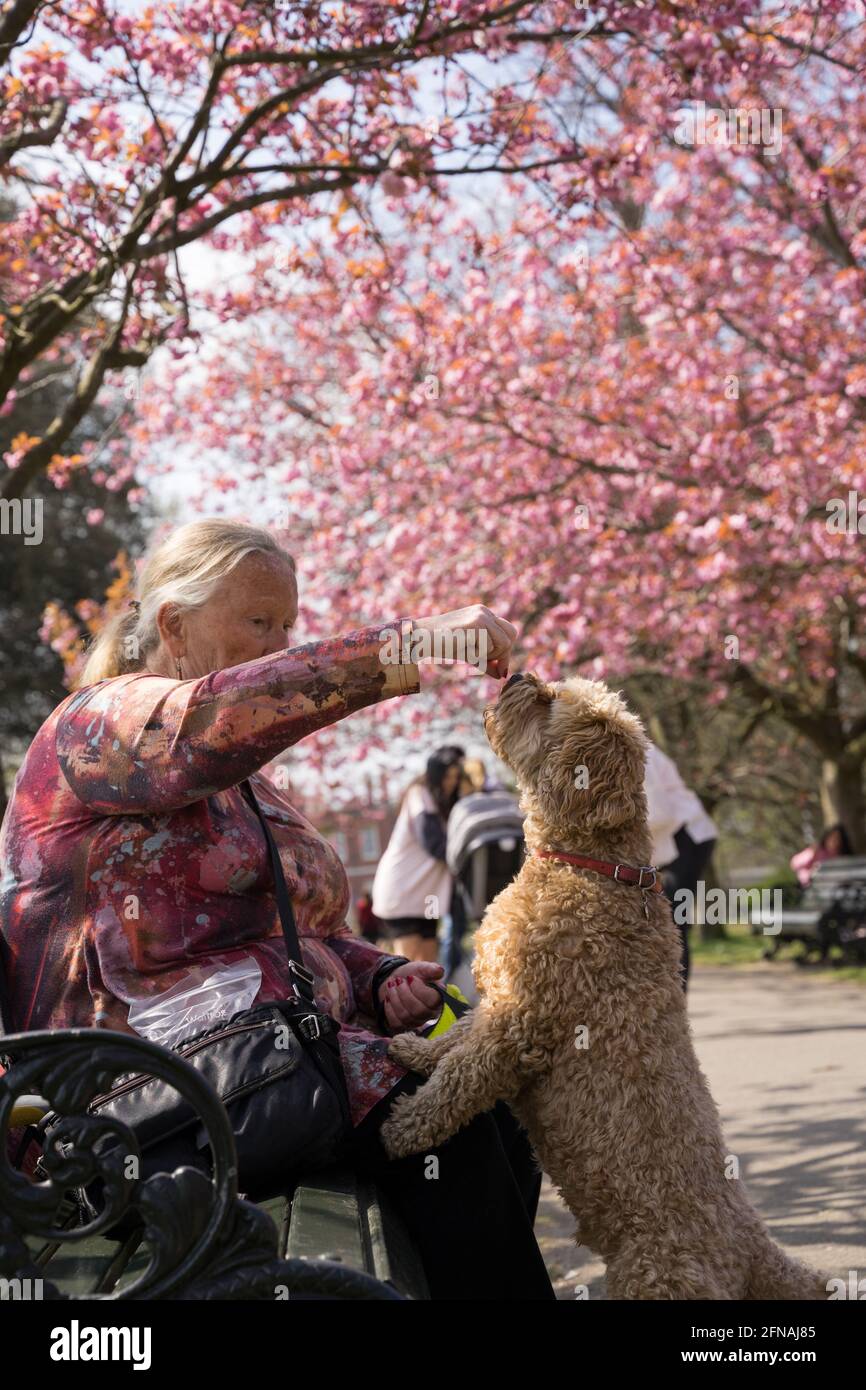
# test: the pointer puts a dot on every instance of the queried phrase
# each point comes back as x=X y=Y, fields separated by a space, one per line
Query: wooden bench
x=332 y=1235
x=836 y=897
x=352 y=1243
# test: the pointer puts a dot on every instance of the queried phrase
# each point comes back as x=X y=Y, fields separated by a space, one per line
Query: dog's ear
x=615 y=782
x=600 y=757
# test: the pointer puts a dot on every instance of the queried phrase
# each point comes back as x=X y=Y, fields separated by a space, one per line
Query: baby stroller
x=485 y=847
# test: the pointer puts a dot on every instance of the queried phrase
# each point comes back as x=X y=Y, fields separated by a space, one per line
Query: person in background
x=473 y=779
x=833 y=844
x=683 y=837
x=368 y=923
x=413 y=884
x=485 y=846
x=454 y=920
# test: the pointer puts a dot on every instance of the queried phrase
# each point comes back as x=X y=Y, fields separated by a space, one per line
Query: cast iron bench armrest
x=334 y=1237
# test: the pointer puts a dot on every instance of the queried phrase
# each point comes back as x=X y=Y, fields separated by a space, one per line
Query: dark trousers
x=472 y=1225
x=684 y=872
x=453 y=931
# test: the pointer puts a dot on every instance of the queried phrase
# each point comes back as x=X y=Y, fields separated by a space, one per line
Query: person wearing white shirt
x=412 y=886
x=683 y=836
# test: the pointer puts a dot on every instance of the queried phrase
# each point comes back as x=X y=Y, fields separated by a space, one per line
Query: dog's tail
x=773 y=1274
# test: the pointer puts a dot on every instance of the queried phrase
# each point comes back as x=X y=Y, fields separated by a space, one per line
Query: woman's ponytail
x=116 y=651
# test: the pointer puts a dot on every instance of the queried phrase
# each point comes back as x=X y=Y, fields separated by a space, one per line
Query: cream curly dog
x=582 y=1024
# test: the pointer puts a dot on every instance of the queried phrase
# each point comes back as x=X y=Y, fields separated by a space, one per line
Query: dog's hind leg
x=641 y=1273
x=773 y=1274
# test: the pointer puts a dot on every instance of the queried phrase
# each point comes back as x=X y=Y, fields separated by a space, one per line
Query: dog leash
x=621 y=873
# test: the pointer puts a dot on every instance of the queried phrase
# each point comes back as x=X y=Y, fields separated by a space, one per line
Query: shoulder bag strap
x=303 y=979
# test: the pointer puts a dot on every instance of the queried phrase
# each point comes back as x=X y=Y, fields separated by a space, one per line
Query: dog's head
x=579 y=755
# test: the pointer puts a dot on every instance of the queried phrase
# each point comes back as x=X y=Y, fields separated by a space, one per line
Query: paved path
x=784 y=1051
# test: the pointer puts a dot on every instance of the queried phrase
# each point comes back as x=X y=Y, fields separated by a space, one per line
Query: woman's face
x=833 y=843
x=451 y=779
x=250 y=614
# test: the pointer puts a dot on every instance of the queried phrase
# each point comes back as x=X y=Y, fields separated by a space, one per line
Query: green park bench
x=837 y=893
x=331 y=1235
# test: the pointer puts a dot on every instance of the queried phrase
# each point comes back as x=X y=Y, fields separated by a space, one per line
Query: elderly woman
x=131 y=860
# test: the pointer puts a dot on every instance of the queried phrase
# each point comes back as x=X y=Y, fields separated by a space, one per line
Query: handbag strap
x=457 y=1006
x=302 y=978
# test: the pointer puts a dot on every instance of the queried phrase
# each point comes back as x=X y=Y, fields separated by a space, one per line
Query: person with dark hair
x=683 y=838
x=833 y=844
x=369 y=925
x=413 y=884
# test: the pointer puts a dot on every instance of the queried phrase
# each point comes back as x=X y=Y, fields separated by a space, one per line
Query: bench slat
x=325 y=1223
x=339 y=1217
x=86 y=1268
x=395 y=1259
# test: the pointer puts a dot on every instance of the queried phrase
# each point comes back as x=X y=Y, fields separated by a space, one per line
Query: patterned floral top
x=129 y=855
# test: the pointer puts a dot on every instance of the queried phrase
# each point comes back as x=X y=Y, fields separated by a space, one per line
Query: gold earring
x=177 y=668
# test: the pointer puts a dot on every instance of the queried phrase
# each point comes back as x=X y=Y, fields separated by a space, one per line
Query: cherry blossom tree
x=624 y=407
x=129 y=135
x=617 y=397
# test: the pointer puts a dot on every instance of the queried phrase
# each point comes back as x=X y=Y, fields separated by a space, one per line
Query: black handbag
x=276 y=1068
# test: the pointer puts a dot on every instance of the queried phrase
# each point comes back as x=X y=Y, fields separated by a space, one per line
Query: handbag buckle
x=302 y=972
x=303 y=983
x=312 y=1020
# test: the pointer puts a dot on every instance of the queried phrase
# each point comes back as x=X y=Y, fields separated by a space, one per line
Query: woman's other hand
x=472 y=634
x=406 y=997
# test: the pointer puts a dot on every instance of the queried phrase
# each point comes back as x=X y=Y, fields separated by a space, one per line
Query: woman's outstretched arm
x=145 y=743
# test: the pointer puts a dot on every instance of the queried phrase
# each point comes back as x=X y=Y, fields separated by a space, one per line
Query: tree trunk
x=842 y=799
x=712 y=931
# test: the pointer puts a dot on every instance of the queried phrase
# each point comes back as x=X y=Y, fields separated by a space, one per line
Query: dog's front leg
x=479 y=1069
x=423 y=1054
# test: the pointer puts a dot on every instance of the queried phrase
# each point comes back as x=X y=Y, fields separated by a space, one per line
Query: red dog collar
x=623 y=873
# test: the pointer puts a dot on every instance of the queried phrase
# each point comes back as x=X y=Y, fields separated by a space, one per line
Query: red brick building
x=359 y=831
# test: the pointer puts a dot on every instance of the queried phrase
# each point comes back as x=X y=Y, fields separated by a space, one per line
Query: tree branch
x=38 y=135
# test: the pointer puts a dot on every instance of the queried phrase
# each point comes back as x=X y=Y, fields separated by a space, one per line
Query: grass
x=739 y=947
x=736 y=947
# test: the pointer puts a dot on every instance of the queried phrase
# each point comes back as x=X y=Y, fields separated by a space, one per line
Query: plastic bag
x=203 y=998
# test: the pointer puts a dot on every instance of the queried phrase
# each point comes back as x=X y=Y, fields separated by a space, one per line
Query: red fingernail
x=410 y=978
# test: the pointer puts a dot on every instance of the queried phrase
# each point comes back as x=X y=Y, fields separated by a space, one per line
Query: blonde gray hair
x=184 y=569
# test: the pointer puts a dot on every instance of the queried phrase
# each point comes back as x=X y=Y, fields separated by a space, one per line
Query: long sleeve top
x=130 y=858
x=671 y=805
x=412 y=878
x=806 y=861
